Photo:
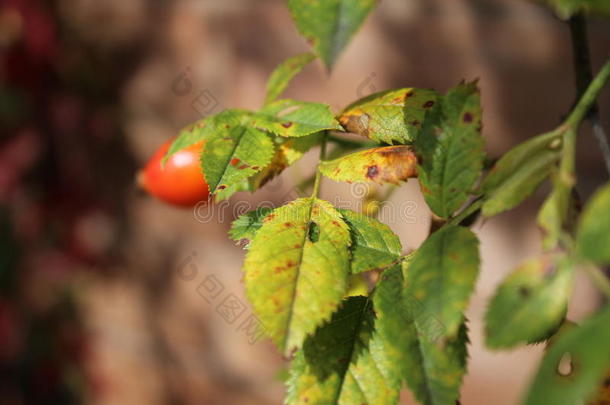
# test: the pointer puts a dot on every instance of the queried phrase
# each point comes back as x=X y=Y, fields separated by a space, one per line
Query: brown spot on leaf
x=467 y=118
x=242 y=167
x=415 y=123
x=409 y=93
x=255 y=167
x=287 y=124
x=428 y=104
x=372 y=172
x=288 y=224
x=234 y=162
x=222 y=186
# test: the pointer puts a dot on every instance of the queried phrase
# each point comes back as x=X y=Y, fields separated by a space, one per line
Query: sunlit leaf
x=234 y=153
x=283 y=74
x=452 y=151
x=593 y=236
x=587 y=349
x=203 y=129
x=292 y=118
x=530 y=303
x=389 y=164
x=343 y=362
x=413 y=338
x=296 y=269
x=374 y=245
x=244 y=228
x=328 y=25
x=442 y=275
x=287 y=152
x=394 y=116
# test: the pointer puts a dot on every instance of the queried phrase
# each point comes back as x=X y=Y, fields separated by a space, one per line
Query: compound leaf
x=413 y=338
x=234 y=153
x=388 y=164
x=296 y=269
x=442 y=275
x=343 y=362
x=452 y=151
x=328 y=25
x=374 y=244
x=593 y=236
x=530 y=304
x=283 y=74
x=292 y=118
x=589 y=353
x=394 y=116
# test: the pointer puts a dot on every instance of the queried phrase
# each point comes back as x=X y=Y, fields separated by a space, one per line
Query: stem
x=588 y=98
x=598 y=278
x=316 y=183
x=582 y=69
x=466 y=212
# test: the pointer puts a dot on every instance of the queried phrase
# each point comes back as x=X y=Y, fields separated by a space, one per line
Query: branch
x=583 y=73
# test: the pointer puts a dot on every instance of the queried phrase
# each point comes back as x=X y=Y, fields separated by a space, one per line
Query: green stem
x=317 y=181
x=588 y=98
x=598 y=278
x=475 y=205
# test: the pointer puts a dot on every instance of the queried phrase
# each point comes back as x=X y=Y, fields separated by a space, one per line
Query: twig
x=584 y=75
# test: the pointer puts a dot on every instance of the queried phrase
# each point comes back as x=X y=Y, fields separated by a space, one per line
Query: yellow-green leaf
x=388 y=164
x=292 y=118
x=283 y=74
x=442 y=275
x=451 y=150
x=234 y=153
x=343 y=363
x=296 y=269
x=394 y=116
x=414 y=339
x=328 y=25
x=587 y=349
x=530 y=304
x=374 y=244
x=593 y=236
x=519 y=172
x=244 y=228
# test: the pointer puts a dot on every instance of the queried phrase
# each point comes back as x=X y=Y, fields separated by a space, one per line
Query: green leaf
x=328 y=25
x=244 y=228
x=519 y=172
x=296 y=269
x=388 y=164
x=234 y=153
x=412 y=337
x=593 y=236
x=567 y=8
x=589 y=352
x=442 y=275
x=288 y=151
x=343 y=363
x=530 y=304
x=202 y=130
x=556 y=213
x=374 y=245
x=453 y=151
x=283 y=74
x=292 y=118
x=394 y=116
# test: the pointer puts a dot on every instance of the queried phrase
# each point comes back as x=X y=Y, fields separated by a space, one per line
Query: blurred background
x=105 y=293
